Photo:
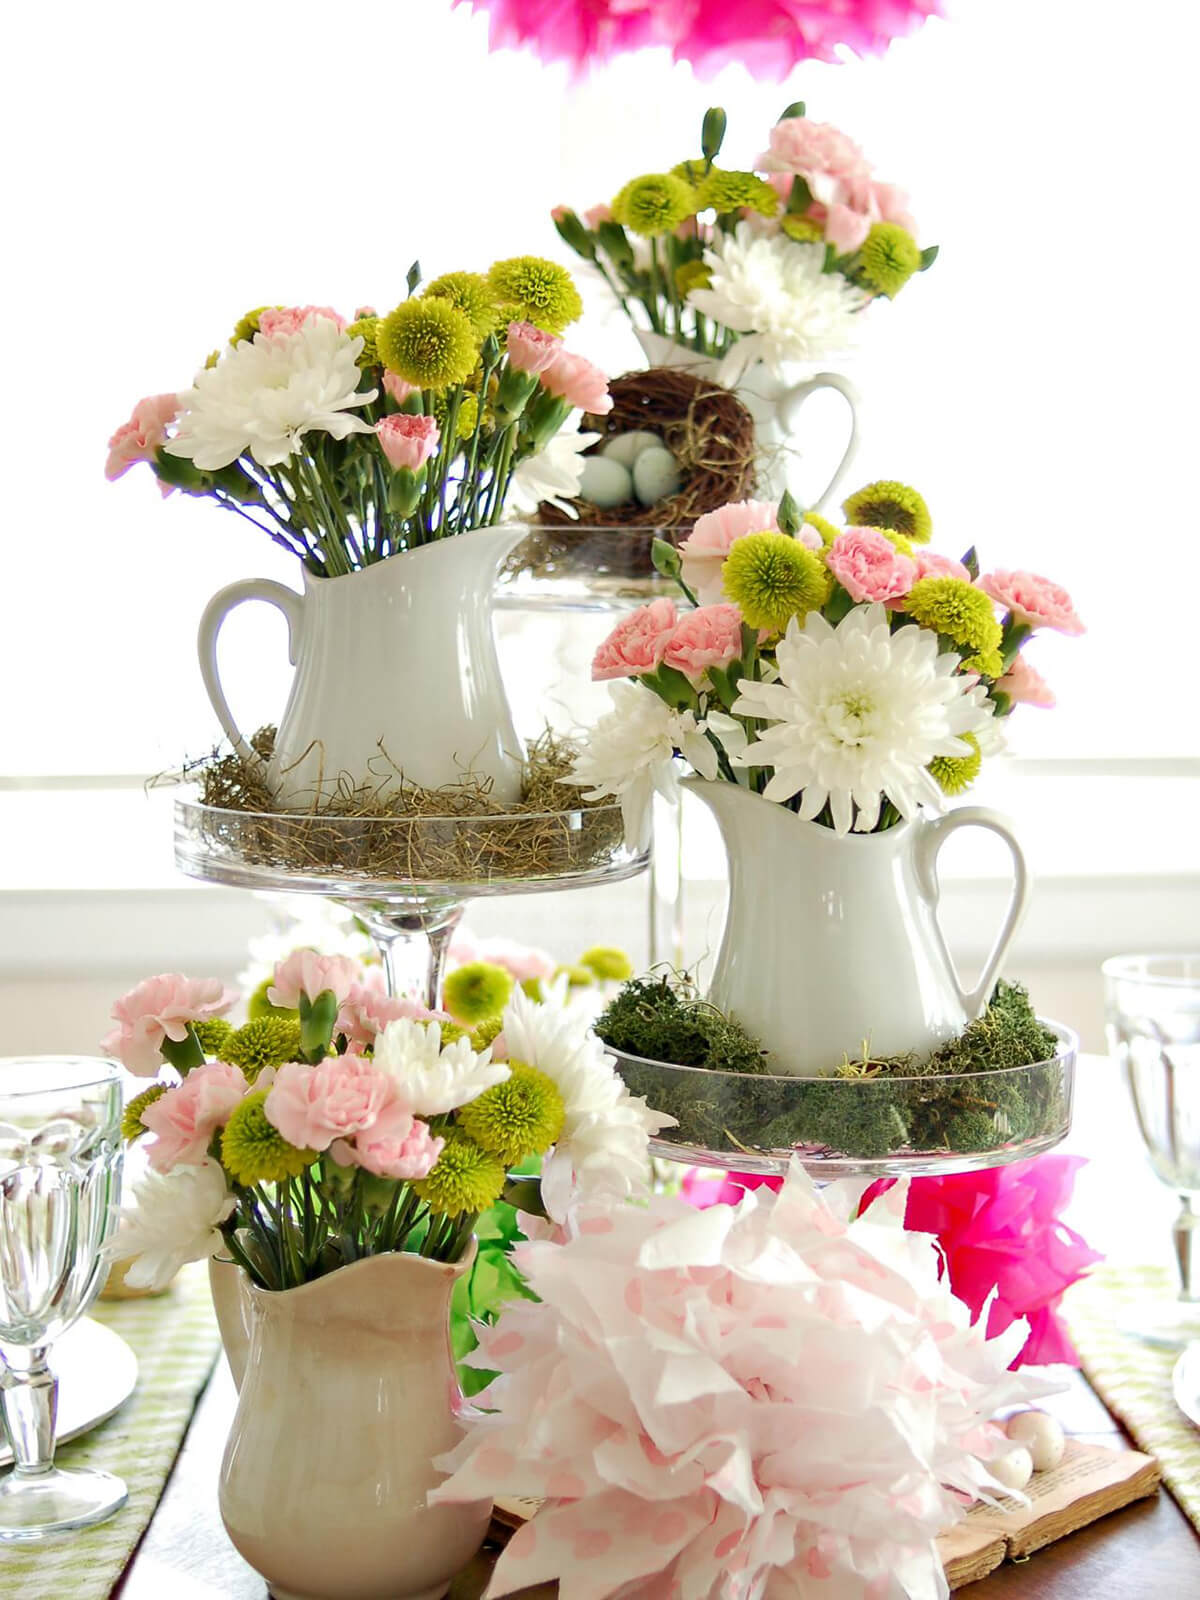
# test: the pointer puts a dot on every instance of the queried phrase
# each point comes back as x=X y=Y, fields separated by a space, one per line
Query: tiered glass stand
x=411 y=914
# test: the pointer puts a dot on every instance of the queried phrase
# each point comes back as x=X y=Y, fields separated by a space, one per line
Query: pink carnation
x=364 y=311
x=845 y=228
x=313 y=1106
x=398 y=1146
x=932 y=565
x=1035 y=601
x=1024 y=685
x=1002 y=1230
x=531 y=349
x=708 y=637
x=703 y=552
x=578 y=381
x=869 y=567
x=161 y=1008
x=407 y=441
x=184 y=1120
x=290 y=319
x=522 y=962
x=595 y=215
x=307 y=972
x=399 y=388
x=366 y=1012
x=138 y=439
x=638 y=642
x=817 y=152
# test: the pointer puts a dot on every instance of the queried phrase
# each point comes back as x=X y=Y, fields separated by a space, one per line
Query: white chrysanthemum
x=552 y=477
x=264 y=395
x=857 y=716
x=434 y=1078
x=773 y=291
x=603 y=1149
x=174 y=1219
x=629 y=753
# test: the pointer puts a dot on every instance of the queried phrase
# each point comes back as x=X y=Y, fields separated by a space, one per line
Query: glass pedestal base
x=38 y=1505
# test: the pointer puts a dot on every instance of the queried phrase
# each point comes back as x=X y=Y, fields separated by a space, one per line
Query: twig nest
x=656 y=475
x=1014 y=1468
x=1041 y=1434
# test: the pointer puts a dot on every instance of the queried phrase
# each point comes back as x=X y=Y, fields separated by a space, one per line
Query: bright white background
x=170 y=166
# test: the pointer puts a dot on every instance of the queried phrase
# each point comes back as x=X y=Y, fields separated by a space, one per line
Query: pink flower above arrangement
x=311 y=1106
x=139 y=438
x=408 y=441
x=184 y=1119
x=710 y=636
x=531 y=349
x=578 y=381
x=309 y=973
x=869 y=567
x=638 y=643
x=290 y=319
x=1033 y=600
x=705 y=548
x=1024 y=685
x=160 y=1008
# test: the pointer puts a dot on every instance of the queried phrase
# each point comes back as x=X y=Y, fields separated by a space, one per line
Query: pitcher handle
x=937 y=831
x=215 y=612
x=790 y=403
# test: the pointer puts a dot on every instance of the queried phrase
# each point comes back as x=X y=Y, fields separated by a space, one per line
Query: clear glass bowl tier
x=859 y=1127
x=584 y=568
x=404 y=858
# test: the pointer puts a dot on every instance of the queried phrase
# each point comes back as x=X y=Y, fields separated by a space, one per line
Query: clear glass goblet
x=60 y=1181
x=1152 y=1008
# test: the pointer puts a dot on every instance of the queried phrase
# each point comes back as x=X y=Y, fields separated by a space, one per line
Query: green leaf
x=179 y=473
x=789 y=515
x=413 y=277
x=971 y=562
x=839 y=604
x=928 y=256
x=799 y=197
x=712 y=133
x=615 y=244
x=796 y=109
x=525 y=1195
x=317 y=1018
x=666 y=558
x=572 y=232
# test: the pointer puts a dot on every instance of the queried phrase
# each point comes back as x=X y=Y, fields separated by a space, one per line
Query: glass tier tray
x=582 y=568
x=843 y=1127
x=403 y=858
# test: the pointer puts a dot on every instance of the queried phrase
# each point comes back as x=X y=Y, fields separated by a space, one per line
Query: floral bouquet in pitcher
x=773 y=264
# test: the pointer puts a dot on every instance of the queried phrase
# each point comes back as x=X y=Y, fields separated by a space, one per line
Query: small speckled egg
x=605 y=483
x=1042 y=1436
x=656 y=475
x=1014 y=1468
x=627 y=447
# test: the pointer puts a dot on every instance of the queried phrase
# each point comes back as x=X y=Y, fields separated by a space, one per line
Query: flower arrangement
x=770 y=38
x=348 y=442
x=653 y=1400
x=851 y=674
x=774 y=264
x=339 y=1123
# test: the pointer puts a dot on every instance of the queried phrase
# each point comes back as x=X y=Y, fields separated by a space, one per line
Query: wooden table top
x=1149 y=1548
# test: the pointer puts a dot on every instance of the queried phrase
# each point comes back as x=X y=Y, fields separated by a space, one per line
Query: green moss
x=664 y=1019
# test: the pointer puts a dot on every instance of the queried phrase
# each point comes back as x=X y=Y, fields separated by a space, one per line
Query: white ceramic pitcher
x=349 y=1393
x=833 y=940
x=775 y=406
x=396 y=671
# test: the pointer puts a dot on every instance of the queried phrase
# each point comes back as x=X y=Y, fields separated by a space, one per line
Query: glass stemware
x=60 y=1171
x=1152 y=1006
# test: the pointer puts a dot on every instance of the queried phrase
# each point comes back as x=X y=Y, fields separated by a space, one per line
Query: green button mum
x=476 y=991
x=472 y=294
x=955 y=774
x=724 y=192
x=213 y=1034
x=890 y=255
x=429 y=343
x=466 y=1178
x=132 y=1126
x=957 y=609
x=265 y=1042
x=655 y=203
x=532 y=289
x=520 y=1117
x=774 y=578
x=891 y=506
x=608 y=962
x=254 y=1151
x=802 y=230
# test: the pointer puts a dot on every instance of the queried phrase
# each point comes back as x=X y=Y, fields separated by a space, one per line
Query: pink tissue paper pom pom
x=160 y=1008
x=398 y=1146
x=399 y=388
x=638 y=642
x=703 y=552
x=869 y=567
x=407 y=441
x=290 y=319
x=531 y=349
x=578 y=381
x=307 y=972
x=311 y=1106
x=710 y=636
x=1032 y=600
x=1024 y=685
x=139 y=438
x=184 y=1120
